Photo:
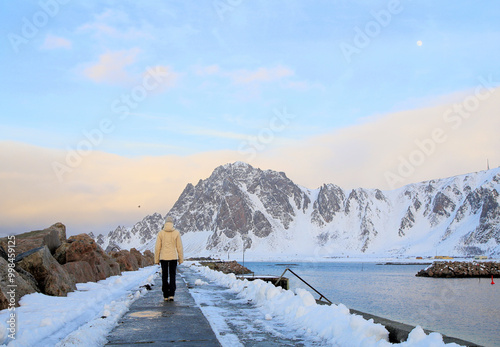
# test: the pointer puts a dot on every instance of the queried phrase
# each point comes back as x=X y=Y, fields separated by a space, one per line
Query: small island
x=461 y=269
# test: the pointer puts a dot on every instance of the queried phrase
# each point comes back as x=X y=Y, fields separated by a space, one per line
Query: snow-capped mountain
x=134 y=237
x=271 y=217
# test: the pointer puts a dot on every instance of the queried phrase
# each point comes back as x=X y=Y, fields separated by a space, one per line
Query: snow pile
x=199 y=282
x=83 y=318
x=299 y=310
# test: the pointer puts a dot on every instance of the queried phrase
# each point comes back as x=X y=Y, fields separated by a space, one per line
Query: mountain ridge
x=266 y=213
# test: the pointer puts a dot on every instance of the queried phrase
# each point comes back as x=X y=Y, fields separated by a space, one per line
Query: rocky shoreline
x=226 y=266
x=47 y=262
x=461 y=269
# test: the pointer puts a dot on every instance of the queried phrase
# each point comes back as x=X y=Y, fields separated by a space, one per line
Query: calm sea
x=464 y=308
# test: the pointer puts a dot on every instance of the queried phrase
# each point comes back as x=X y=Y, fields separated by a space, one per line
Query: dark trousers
x=168 y=269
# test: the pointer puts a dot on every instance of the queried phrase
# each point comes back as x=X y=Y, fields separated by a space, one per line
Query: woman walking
x=167 y=251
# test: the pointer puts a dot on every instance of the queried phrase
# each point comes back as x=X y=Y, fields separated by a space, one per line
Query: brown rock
x=141 y=261
x=80 y=271
x=3 y=253
x=9 y=277
x=53 y=235
x=150 y=257
x=227 y=267
x=127 y=261
x=52 y=241
x=52 y=278
x=83 y=248
x=29 y=278
x=4 y=302
x=60 y=253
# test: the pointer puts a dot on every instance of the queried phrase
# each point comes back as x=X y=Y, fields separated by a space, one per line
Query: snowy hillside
x=135 y=237
x=265 y=212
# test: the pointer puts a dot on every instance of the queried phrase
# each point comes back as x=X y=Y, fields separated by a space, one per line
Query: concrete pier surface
x=154 y=322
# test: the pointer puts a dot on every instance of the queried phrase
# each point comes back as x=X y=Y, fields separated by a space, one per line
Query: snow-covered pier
x=153 y=321
x=213 y=309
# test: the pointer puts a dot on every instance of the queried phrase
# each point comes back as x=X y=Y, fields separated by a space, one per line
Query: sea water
x=466 y=308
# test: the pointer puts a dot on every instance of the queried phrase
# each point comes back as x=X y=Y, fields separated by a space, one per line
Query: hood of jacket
x=169 y=226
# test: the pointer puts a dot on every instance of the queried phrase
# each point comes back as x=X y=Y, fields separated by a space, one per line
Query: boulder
x=83 y=248
x=3 y=254
x=52 y=237
x=4 y=302
x=60 y=253
x=127 y=261
x=12 y=285
x=52 y=241
x=141 y=261
x=150 y=257
x=52 y=278
x=80 y=271
x=28 y=278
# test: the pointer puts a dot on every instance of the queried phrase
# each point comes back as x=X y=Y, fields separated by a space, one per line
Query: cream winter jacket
x=169 y=244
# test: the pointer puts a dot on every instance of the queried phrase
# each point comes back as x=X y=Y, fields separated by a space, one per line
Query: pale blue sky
x=230 y=67
x=156 y=94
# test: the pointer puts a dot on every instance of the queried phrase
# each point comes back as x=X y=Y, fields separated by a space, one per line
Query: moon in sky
x=419 y=43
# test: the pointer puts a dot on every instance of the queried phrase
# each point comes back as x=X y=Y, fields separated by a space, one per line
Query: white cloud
x=111 y=67
x=117 y=67
x=55 y=42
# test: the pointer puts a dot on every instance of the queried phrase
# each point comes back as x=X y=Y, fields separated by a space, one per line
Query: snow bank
x=298 y=309
x=83 y=318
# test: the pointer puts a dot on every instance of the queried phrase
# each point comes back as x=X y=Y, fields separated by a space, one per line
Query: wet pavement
x=183 y=322
x=154 y=322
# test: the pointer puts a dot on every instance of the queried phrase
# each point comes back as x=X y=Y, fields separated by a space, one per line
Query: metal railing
x=321 y=296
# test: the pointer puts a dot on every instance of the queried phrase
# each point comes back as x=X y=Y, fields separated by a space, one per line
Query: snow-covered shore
x=333 y=325
x=83 y=318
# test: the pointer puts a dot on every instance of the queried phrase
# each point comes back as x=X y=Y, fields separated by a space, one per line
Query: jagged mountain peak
x=239 y=206
x=132 y=237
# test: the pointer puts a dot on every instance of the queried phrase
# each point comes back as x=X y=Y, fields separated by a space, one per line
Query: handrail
x=300 y=278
